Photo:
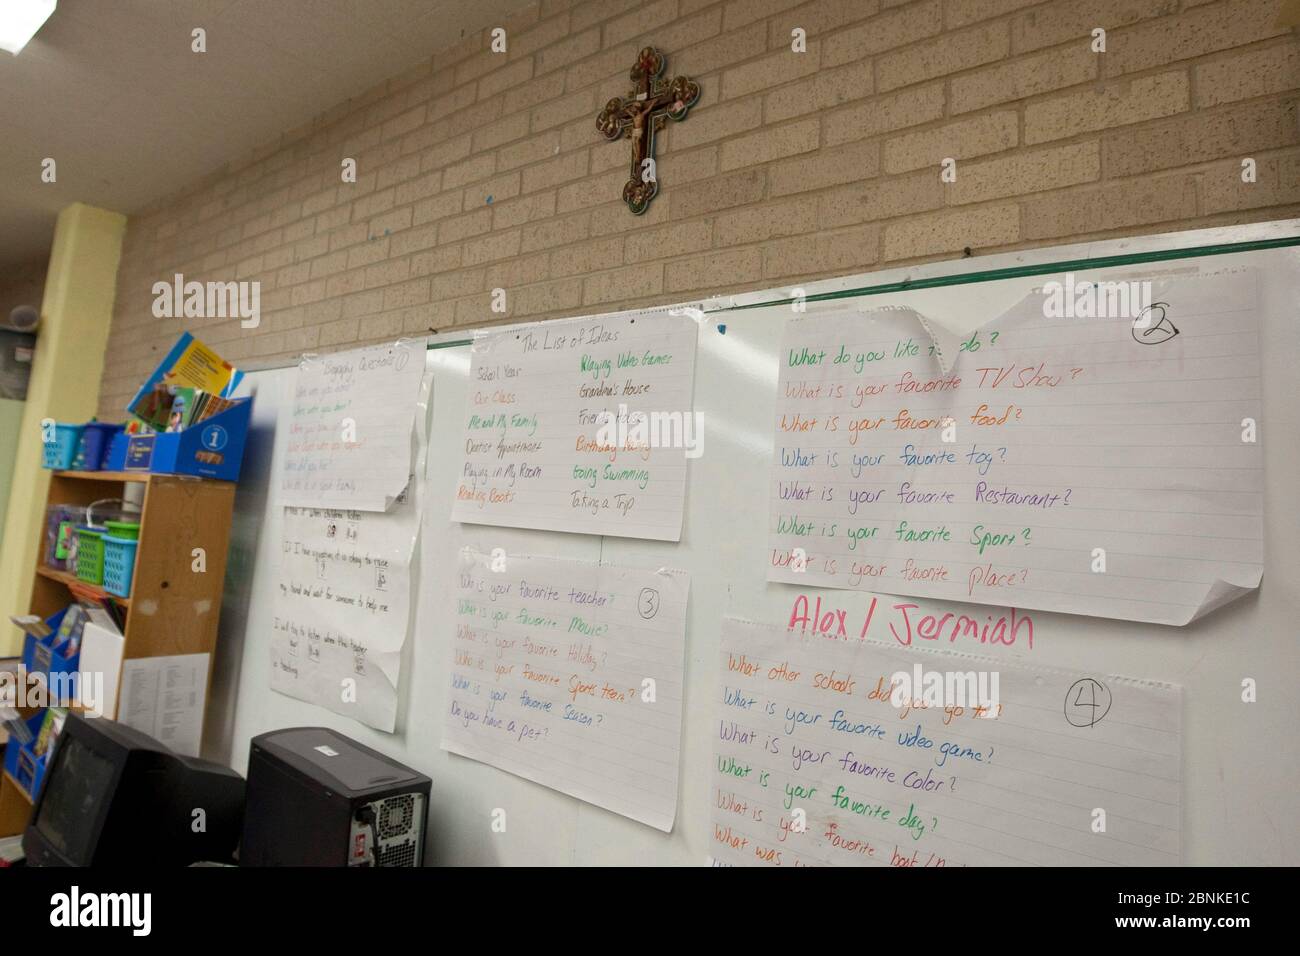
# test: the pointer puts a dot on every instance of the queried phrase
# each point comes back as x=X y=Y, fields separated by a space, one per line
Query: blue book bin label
x=139 y=453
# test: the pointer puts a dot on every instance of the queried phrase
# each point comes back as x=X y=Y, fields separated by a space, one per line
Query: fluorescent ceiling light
x=20 y=19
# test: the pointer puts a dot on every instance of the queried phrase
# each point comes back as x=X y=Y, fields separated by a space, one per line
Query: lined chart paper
x=342 y=607
x=350 y=427
x=1101 y=466
x=569 y=674
x=814 y=764
x=584 y=425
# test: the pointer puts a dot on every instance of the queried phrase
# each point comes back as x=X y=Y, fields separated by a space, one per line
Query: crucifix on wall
x=647 y=108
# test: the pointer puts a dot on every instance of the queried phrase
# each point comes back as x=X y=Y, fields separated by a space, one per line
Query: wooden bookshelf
x=15 y=806
x=114 y=477
x=67 y=578
x=172 y=609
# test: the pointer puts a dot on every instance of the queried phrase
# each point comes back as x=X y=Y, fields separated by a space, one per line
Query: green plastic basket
x=90 y=554
x=128 y=530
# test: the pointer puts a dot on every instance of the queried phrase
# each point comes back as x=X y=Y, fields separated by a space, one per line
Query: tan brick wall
x=479 y=170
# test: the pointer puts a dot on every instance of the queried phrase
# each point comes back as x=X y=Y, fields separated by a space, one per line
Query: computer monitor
x=115 y=797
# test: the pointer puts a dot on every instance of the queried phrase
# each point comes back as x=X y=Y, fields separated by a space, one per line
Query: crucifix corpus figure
x=651 y=101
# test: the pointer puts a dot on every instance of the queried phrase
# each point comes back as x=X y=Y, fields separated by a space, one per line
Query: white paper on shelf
x=99 y=669
x=165 y=697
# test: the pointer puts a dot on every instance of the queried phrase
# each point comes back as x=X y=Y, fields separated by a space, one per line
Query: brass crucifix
x=637 y=117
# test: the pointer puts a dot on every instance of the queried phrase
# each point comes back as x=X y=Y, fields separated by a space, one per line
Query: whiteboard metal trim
x=1042 y=260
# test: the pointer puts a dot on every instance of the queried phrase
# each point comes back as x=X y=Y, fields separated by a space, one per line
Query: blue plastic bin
x=40 y=657
x=119 y=565
x=93 y=449
x=58 y=454
x=21 y=760
x=214 y=448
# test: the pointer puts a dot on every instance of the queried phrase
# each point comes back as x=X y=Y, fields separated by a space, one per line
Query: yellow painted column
x=75 y=316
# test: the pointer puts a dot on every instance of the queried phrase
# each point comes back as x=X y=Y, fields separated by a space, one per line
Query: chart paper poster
x=815 y=765
x=569 y=674
x=584 y=425
x=1103 y=466
x=342 y=608
x=350 y=426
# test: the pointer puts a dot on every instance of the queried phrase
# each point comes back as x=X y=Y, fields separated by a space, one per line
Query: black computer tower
x=317 y=798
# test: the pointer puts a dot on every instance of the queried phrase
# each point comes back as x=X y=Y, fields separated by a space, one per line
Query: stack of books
x=191 y=384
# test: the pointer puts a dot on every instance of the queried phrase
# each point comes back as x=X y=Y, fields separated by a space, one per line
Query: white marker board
x=1241 y=766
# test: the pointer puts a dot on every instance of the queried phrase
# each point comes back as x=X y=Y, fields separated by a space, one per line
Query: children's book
x=211 y=405
x=18 y=730
x=189 y=365
x=74 y=619
x=96 y=608
x=181 y=413
x=32 y=624
x=51 y=724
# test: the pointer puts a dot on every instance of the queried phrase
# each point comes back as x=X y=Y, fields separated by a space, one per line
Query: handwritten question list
x=569 y=674
x=849 y=753
x=350 y=427
x=1108 y=466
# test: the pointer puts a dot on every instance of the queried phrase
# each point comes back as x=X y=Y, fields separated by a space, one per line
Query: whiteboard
x=1241 y=763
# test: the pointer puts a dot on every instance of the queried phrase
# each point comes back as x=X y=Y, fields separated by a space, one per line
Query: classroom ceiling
x=113 y=93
